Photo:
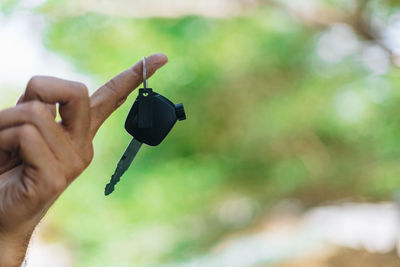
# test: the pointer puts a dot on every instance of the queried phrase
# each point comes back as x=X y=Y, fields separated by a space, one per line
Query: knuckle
x=88 y=155
x=78 y=165
x=135 y=72
x=57 y=186
x=34 y=83
x=58 y=182
x=37 y=109
x=112 y=87
x=80 y=90
x=28 y=131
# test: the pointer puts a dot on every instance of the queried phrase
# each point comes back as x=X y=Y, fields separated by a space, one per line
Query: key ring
x=144 y=74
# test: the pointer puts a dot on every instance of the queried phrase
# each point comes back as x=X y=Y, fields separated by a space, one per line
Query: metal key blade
x=123 y=165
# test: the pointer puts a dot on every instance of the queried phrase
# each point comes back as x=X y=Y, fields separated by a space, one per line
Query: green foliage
x=262 y=122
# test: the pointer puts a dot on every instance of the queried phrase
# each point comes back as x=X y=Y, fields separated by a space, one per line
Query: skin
x=40 y=158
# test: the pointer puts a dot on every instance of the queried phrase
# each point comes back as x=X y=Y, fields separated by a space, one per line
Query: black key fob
x=149 y=121
x=152 y=117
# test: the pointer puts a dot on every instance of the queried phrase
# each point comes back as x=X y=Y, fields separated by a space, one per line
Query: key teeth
x=123 y=165
x=109 y=189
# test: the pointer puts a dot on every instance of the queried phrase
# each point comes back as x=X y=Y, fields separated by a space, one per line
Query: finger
x=41 y=174
x=52 y=108
x=8 y=161
x=21 y=99
x=73 y=100
x=37 y=114
x=111 y=95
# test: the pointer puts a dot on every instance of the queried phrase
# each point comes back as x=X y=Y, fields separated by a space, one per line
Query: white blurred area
x=341 y=42
x=286 y=235
x=43 y=254
x=339 y=46
x=24 y=55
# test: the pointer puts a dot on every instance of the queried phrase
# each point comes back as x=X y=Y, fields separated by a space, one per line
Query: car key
x=151 y=118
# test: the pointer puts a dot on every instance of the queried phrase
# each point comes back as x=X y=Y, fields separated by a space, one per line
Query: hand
x=39 y=157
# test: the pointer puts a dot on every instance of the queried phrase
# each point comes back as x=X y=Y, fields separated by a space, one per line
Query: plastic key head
x=145 y=108
x=152 y=117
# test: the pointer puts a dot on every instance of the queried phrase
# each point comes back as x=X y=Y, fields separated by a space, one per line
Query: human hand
x=40 y=158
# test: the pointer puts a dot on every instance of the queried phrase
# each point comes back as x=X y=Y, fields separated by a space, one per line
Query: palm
x=16 y=204
x=8 y=161
x=13 y=208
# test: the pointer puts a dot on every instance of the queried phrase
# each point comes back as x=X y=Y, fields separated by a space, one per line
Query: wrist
x=13 y=250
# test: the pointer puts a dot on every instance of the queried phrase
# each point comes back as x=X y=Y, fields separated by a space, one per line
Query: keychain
x=151 y=118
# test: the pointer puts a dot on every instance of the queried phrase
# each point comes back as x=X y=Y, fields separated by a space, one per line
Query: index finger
x=114 y=93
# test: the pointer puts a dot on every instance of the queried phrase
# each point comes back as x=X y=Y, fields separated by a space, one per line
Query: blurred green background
x=282 y=102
